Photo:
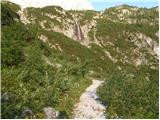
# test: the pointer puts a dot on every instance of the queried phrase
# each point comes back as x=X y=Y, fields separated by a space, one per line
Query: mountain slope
x=34 y=76
x=63 y=49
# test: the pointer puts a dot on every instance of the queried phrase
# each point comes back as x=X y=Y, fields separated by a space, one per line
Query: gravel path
x=89 y=107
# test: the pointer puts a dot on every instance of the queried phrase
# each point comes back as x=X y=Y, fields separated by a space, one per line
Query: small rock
x=26 y=112
x=50 y=113
x=4 y=97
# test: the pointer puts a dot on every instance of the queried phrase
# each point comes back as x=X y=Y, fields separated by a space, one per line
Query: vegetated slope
x=35 y=76
x=129 y=91
x=119 y=45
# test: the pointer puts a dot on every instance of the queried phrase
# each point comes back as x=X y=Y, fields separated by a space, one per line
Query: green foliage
x=87 y=16
x=11 y=5
x=29 y=82
x=73 y=51
x=91 y=34
x=108 y=28
x=12 y=43
x=145 y=14
x=131 y=92
x=7 y=15
x=34 y=75
x=41 y=14
x=131 y=95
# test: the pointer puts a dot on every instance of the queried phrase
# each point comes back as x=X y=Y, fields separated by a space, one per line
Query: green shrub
x=129 y=95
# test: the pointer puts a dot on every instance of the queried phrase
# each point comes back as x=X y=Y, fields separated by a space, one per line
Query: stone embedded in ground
x=27 y=112
x=50 y=113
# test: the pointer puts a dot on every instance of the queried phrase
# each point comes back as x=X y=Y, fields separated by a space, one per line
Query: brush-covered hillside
x=49 y=57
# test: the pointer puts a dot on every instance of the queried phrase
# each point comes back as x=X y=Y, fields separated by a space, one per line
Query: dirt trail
x=89 y=106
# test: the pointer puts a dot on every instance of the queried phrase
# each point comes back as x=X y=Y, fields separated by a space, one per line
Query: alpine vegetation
x=62 y=64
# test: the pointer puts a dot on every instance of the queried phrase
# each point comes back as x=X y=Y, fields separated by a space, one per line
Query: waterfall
x=78 y=31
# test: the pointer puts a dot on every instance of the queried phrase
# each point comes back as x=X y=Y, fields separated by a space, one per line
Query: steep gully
x=89 y=106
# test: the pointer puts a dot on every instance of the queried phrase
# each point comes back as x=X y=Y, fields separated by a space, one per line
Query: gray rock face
x=50 y=113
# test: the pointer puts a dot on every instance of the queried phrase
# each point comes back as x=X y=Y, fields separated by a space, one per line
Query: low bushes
x=131 y=95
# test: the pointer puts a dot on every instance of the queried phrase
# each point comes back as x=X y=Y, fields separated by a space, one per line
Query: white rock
x=51 y=113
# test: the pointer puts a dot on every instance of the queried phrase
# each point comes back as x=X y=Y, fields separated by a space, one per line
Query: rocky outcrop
x=23 y=17
x=147 y=41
